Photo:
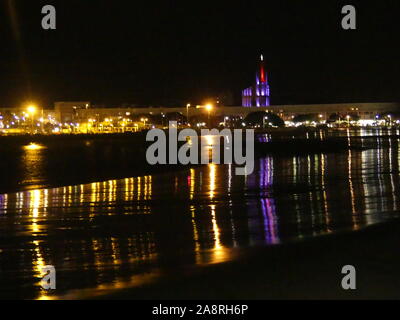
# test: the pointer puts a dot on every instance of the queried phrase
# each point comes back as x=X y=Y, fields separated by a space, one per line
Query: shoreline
x=306 y=269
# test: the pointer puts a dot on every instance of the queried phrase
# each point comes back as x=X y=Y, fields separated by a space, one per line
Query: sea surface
x=108 y=235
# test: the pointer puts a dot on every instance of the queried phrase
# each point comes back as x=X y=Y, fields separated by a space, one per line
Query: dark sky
x=171 y=53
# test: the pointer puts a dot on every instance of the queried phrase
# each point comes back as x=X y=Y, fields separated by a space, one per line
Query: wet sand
x=309 y=269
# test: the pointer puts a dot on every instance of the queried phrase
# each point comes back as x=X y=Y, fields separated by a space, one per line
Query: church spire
x=262 y=70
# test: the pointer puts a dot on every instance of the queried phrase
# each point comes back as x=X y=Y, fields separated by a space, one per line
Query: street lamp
x=31 y=111
x=209 y=108
x=348 y=119
x=225 y=119
x=144 y=121
x=264 y=118
x=187 y=113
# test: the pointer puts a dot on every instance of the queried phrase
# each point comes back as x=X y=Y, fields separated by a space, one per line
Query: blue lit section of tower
x=247 y=97
x=259 y=94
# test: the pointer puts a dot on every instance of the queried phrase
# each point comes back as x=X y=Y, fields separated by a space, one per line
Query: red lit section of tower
x=262 y=70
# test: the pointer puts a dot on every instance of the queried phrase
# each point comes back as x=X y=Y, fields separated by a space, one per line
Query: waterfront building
x=68 y=111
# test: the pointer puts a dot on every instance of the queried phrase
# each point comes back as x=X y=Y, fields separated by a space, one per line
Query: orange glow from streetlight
x=31 y=109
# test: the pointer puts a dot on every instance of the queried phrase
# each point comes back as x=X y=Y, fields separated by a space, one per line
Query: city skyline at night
x=199 y=159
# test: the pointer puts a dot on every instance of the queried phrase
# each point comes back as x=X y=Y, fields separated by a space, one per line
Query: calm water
x=120 y=233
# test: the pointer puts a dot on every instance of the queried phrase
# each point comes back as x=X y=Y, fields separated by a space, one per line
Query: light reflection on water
x=32 y=161
x=112 y=234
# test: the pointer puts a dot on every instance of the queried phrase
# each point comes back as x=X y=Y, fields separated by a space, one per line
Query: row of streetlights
x=32 y=109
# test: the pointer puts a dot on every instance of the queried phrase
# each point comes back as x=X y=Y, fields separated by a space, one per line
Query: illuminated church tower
x=258 y=95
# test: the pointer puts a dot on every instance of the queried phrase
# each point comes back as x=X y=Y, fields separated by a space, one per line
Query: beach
x=308 y=269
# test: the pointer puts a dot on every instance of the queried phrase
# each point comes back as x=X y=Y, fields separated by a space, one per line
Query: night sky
x=171 y=53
